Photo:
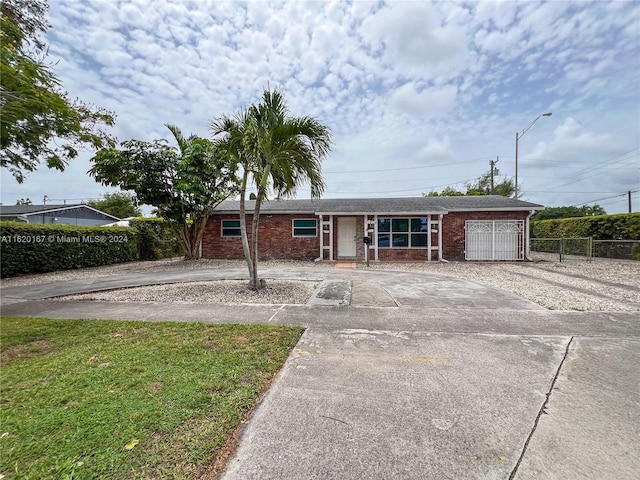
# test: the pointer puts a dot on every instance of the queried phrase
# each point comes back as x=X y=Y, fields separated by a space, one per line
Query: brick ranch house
x=412 y=229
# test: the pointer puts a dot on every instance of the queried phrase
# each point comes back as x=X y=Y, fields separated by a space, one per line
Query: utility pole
x=492 y=163
x=629 y=200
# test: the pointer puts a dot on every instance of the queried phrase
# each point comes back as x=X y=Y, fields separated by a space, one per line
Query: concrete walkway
x=414 y=376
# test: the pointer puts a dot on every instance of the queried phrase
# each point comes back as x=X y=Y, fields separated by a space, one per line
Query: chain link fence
x=583 y=249
x=625 y=249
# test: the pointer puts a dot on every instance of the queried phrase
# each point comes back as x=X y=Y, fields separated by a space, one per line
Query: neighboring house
x=79 y=214
x=414 y=229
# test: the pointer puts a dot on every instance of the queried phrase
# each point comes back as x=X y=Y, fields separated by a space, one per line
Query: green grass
x=74 y=393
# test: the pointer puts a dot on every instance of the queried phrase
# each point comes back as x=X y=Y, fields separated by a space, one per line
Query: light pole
x=518 y=136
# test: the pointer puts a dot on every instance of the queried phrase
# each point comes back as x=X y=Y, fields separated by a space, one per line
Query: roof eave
x=497 y=209
x=417 y=212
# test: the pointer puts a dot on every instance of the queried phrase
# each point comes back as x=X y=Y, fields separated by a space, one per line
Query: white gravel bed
x=508 y=276
x=220 y=291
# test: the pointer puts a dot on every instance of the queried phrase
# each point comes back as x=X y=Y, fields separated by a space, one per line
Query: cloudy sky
x=418 y=95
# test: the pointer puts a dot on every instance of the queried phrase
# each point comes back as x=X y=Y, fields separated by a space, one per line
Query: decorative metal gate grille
x=494 y=240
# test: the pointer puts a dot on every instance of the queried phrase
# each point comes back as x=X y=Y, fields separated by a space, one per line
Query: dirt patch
x=28 y=350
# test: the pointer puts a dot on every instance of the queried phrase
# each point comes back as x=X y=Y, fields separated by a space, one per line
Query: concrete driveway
x=416 y=376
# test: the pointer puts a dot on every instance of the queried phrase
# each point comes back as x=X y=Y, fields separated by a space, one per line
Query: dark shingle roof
x=397 y=206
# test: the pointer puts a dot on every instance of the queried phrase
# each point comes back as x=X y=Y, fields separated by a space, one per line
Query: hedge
x=39 y=248
x=156 y=239
x=623 y=226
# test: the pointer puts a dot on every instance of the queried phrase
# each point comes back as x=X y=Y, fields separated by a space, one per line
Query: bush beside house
x=614 y=236
x=40 y=248
x=623 y=226
x=156 y=239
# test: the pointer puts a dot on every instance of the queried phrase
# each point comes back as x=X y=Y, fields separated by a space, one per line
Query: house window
x=305 y=227
x=230 y=228
x=402 y=232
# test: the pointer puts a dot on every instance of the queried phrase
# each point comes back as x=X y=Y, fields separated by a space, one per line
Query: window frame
x=294 y=228
x=408 y=234
x=234 y=228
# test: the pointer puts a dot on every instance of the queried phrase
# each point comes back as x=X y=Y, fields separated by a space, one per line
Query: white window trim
x=391 y=232
x=293 y=228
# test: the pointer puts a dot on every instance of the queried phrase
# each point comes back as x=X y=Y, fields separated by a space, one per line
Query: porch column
x=440 y=237
x=375 y=237
x=321 y=233
x=429 y=238
x=331 y=237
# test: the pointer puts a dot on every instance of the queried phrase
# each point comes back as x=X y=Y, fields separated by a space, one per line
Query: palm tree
x=278 y=153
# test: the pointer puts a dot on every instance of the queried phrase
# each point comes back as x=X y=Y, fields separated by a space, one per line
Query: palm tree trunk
x=256 y=283
x=243 y=229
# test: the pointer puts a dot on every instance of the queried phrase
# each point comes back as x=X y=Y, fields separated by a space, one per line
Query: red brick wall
x=453 y=229
x=407 y=254
x=275 y=238
x=277 y=241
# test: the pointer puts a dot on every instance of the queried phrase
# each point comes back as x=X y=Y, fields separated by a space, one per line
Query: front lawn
x=116 y=400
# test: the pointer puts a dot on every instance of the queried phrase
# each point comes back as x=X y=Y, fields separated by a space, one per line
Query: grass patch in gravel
x=113 y=399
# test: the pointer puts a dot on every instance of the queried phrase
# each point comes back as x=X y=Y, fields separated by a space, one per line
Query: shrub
x=39 y=248
x=156 y=239
x=624 y=226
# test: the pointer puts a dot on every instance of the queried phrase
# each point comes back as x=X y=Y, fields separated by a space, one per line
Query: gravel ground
x=598 y=285
x=222 y=291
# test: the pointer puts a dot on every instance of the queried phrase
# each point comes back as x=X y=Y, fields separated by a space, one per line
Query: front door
x=346 y=237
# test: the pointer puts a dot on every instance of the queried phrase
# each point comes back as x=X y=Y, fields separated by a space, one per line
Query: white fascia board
x=504 y=209
x=406 y=214
x=264 y=212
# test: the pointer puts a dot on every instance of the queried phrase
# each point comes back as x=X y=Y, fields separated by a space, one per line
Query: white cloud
x=401 y=84
x=436 y=151
x=430 y=102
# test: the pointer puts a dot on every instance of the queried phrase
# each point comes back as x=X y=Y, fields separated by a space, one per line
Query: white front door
x=346 y=236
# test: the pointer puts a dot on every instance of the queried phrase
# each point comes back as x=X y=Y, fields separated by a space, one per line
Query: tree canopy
x=38 y=122
x=118 y=204
x=278 y=153
x=184 y=183
x=480 y=186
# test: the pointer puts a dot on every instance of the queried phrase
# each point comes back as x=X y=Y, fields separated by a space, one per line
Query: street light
x=520 y=134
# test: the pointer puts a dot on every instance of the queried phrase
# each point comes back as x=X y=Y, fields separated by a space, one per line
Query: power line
x=411 y=168
x=605 y=198
x=562 y=182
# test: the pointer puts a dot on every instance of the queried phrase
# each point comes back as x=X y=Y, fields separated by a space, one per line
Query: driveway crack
x=543 y=409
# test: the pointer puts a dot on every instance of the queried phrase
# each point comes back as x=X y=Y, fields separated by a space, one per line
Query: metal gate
x=494 y=240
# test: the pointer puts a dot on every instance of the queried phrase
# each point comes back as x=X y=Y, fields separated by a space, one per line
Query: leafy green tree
x=446 y=192
x=277 y=153
x=183 y=183
x=24 y=201
x=118 y=204
x=38 y=122
x=480 y=186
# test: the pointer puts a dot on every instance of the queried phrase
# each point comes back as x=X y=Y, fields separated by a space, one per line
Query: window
x=305 y=227
x=403 y=232
x=230 y=228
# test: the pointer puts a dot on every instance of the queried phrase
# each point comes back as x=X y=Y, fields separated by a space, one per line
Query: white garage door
x=494 y=240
